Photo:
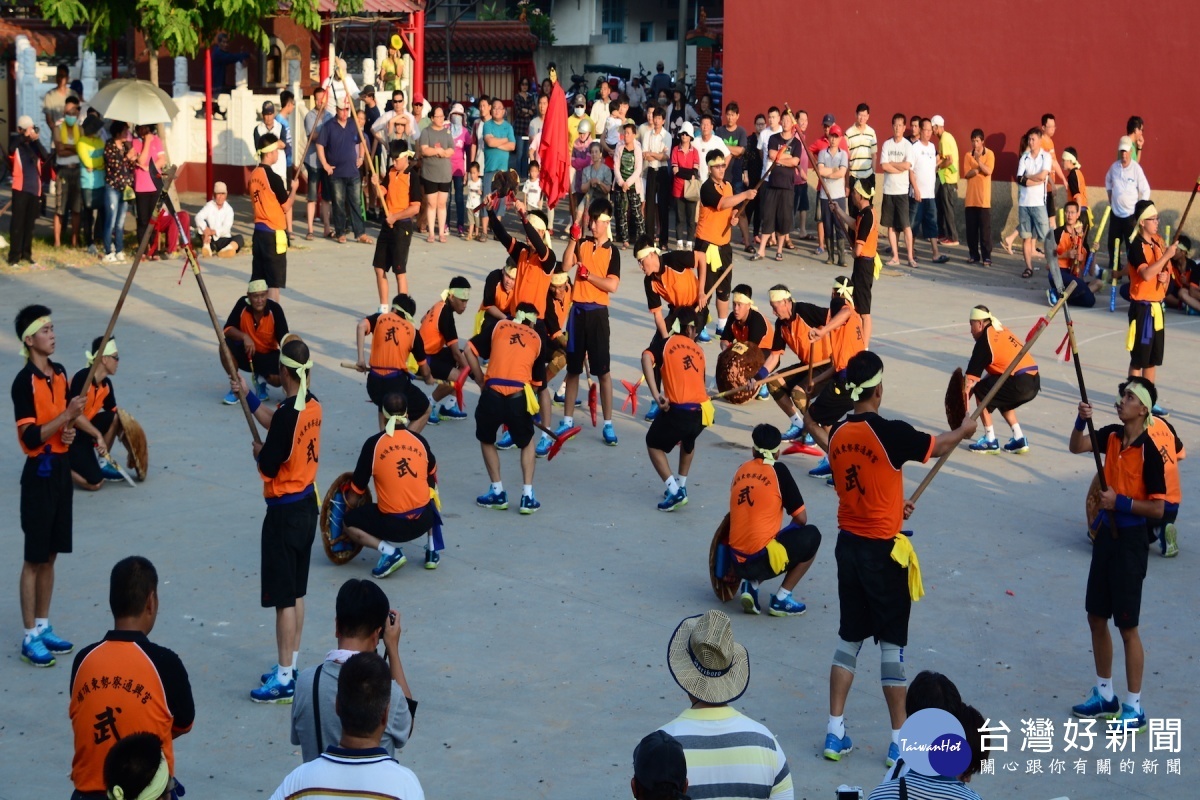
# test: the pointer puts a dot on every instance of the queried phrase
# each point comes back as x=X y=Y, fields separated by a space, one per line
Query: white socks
x=1134 y=701
x=498 y=487
x=798 y=419
x=721 y=323
x=527 y=490
x=990 y=433
x=837 y=726
x=1017 y=432
x=672 y=485
x=1105 y=687
x=387 y=549
x=40 y=624
x=284 y=674
x=682 y=479
x=30 y=634
x=570 y=421
x=782 y=594
x=896 y=736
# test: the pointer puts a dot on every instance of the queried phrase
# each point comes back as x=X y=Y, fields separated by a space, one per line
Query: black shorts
x=318 y=179
x=265 y=364
x=46 y=507
x=380 y=386
x=390 y=527
x=391 y=248
x=590 y=337
x=265 y=263
x=441 y=364
x=800 y=193
x=785 y=386
x=872 y=590
x=429 y=187
x=673 y=427
x=831 y=404
x=777 y=211
x=495 y=409
x=1148 y=344
x=82 y=452
x=863 y=279
x=801 y=544
x=288 y=531
x=710 y=275
x=893 y=213
x=1114 y=584
x=1016 y=391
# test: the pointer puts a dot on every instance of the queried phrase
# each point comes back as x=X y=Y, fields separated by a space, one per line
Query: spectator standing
x=800 y=186
x=734 y=137
x=752 y=164
x=661 y=82
x=924 y=211
x=656 y=154
x=977 y=169
x=595 y=181
x=270 y=124
x=91 y=184
x=685 y=167
x=715 y=83
x=27 y=159
x=390 y=70
x=780 y=195
x=1033 y=171
x=706 y=143
x=152 y=694
x=536 y=127
x=214 y=223
x=461 y=137
x=1126 y=184
x=499 y=142
x=147 y=148
x=437 y=150
x=524 y=110
x=68 y=201
x=54 y=101
x=341 y=151
x=863 y=147
x=1057 y=176
x=895 y=162
x=628 y=188
x=637 y=100
x=947 y=182
x=319 y=188
x=832 y=166
x=600 y=107
x=478 y=149
x=1135 y=129
x=118 y=191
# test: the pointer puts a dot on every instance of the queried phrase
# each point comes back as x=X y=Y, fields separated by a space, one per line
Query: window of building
x=647 y=31
x=612 y=21
x=672 y=31
x=273 y=74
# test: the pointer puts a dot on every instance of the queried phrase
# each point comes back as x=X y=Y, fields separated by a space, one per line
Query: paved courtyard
x=537 y=651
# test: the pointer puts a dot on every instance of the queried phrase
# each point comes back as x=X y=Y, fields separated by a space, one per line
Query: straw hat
x=705 y=660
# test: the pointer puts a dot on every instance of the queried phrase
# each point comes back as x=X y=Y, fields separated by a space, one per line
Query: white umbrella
x=134 y=101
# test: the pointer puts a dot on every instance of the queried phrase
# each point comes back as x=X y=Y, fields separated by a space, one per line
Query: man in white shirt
x=923 y=216
x=214 y=223
x=271 y=125
x=706 y=143
x=895 y=162
x=656 y=155
x=832 y=167
x=774 y=115
x=1125 y=183
x=1033 y=171
x=863 y=145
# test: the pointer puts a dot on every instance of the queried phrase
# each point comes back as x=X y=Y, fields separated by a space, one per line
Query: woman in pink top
x=685 y=165
x=146 y=146
x=458 y=163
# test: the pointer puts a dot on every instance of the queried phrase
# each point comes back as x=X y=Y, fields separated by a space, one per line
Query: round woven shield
x=736 y=366
x=335 y=503
x=956 y=399
x=724 y=586
x=134 y=439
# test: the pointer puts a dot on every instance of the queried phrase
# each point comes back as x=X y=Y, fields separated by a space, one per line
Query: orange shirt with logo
x=402 y=468
x=37 y=400
x=682 y=364
x=514 y=350
x=303 y=447
x=1144 y=251
x=597 y=260
x=993 y=352
x=714 y=226
x=267 y=208
x=392 y=339
x=756 y=503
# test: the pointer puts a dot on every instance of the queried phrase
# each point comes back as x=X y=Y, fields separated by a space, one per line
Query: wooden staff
x=774 y=376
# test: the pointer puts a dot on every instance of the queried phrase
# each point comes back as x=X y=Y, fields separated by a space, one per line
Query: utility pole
x=681 y=50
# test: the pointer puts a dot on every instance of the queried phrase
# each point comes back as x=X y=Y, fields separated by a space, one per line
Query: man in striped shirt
x=728 y=754
x=864 y=146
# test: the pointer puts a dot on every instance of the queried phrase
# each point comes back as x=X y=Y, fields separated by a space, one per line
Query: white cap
x=220 y=188
x=457 y=108
x=937 y=121
x=1125 y=144
x=24 y=121
x=687 y=128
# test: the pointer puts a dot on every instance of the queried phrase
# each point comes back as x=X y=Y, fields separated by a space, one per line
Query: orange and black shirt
x=125 y=684
x=512 y=351
x=1171 y=450
x=1069 y=239
x=401 y=191
x=266 y=332
x=99 y=398
x=1144 y=251
x=681 y=362
x=993 y=352
x=403 y=468
x=268 y=194
x=1136 y=471
x=289 y=456
x=793 y=333
x=494 y=294
x=754 y=330
x=557 y=311
x=392 y=339
x=866 y=454
x=714 y=226
x=535 y=263
x=600 y=261
x=676 y=282
x=1077 y=187
x=866 y=230
x=37 y=400
x=758 y=496
x=438 y=330
x=848 y=340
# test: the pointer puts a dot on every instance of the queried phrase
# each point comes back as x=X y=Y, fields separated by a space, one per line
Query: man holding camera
x=28 y=155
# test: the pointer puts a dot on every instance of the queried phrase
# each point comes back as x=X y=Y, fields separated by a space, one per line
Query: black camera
x=845 y=792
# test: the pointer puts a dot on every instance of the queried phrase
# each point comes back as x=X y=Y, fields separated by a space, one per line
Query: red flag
x=553 y=153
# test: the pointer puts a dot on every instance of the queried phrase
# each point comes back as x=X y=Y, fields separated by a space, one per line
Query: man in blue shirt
x=499 y=140
x=341 y=151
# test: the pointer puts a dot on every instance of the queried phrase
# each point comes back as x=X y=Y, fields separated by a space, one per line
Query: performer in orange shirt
x=403 y=202
x=866 y=247
x=272 y=202
x=995 y=348
x=395 y=342
x=1149 y=274
x=253 y=331
x=439 y=339
x=98 y=425
x=794 y=322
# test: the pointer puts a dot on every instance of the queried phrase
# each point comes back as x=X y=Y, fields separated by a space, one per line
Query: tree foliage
x=182 y=26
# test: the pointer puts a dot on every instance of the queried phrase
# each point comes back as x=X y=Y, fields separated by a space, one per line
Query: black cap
x=268 y=108
x=766 y=436
x=827 y=120
x=659 y=764
x=368 y=90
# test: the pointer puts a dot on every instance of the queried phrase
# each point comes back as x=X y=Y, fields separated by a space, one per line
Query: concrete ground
x=537 y=649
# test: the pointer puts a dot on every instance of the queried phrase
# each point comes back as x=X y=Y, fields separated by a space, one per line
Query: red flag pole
x=208 y=118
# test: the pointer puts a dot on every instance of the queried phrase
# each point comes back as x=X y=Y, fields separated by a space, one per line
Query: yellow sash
x=707 y=413
x=280 y=242
x=904 y=555
x=777 y=555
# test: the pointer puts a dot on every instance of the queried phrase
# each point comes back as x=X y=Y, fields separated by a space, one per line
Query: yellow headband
x=779 y=294
x=768 y=456
x=738 y=297
x=521 y=317
x=856 y=390
x=460 y=293
x=110 y=349
x=267 y=148
x=1143 y=396
x=559 y=278
x=645 y=251
x=392 y=419
x=254 y=287
x=33 y=328
x=301 y=372
x=676 y=327
x=717 y=162
x=154 y=789
x=862 y=190
x=844 y=289
x=398 y=310
x=603 y=217
x=978 y=314
x=1148 y=211
x=537 y=223
x=510 y=270
x=1070 y=159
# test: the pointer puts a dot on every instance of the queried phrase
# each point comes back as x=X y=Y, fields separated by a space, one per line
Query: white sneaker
x=679 y=244
x=121 y=255
x=109 y=258
x=688 y=244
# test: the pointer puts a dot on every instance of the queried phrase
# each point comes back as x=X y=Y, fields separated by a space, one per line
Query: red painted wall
x=1092 y=65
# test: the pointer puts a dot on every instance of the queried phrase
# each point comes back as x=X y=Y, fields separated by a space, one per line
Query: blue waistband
x=503 y=382
x=1025 y=371
x=264 y=227
x=284 y=499
x=685 y=406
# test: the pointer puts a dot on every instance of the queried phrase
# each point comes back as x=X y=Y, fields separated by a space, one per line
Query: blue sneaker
x=829 y=481
x=260 y=389
x=57 y=646
x=490 y=500
x=529 y=504
x=266 y=676
x=793 y=433
x=110 y=472
x=1051 y=296
x=749 y=597
x=505 y=442
x=432 y=558
x=1159 y=411
x=835 y=748
x=35 y=653
x=389 y=564
x=652 y=412
x=230 y=398
x=1096 y=707
x=763 y=393
x=674 y=501
x=1017 y=446
x=787 y=607
x=451 y=412
x=274 y=692
x=543 y=446
x=985 y=445
x=704 y=336
x=893 y=755
x=822 y=470
x=1132 y=720
x=808 y=440
x=434 y=417
x=562 y=428
x=560 y=395
x=610 y=435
